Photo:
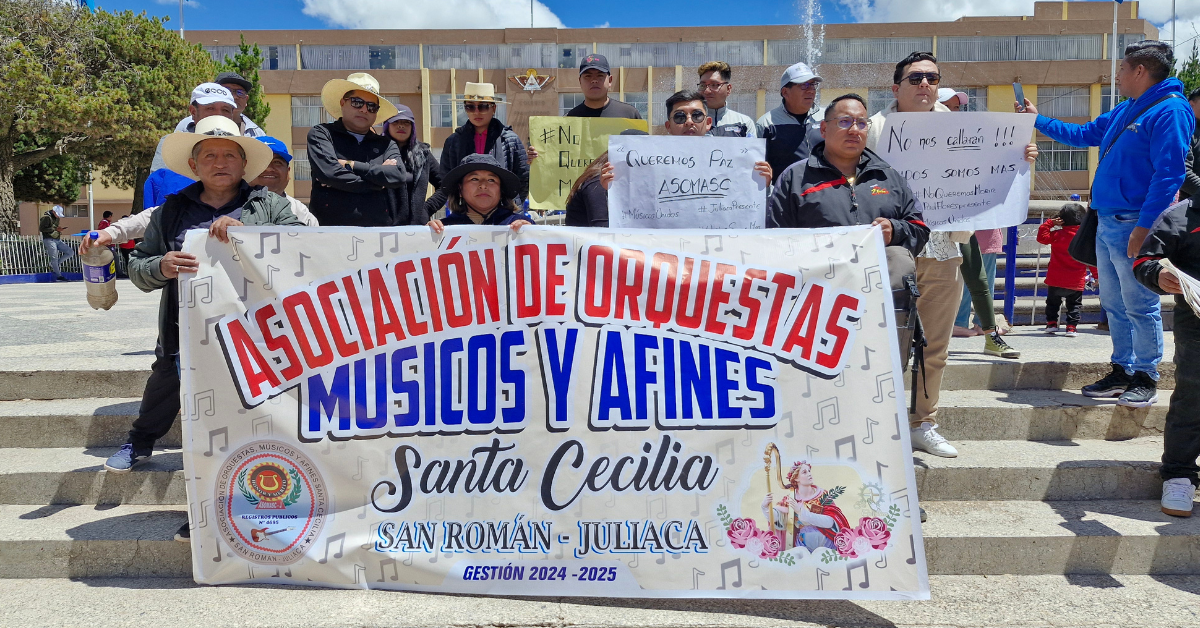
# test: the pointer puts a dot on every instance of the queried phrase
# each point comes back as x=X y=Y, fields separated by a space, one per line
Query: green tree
x=100 y=86
x=246 y=62
x=54 y=180
x=1189 y=72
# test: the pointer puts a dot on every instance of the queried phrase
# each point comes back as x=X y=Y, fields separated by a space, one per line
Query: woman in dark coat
x=410 y=202
x=479 y=192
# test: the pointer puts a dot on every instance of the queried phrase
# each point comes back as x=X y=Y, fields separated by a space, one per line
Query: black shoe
x=60 y=278
x=924 y=517
x=1111 y=385
x=183 y=534
x=1142 y=393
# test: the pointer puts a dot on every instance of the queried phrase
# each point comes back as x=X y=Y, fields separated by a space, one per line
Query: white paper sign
x=667 y=182
x=967 y=170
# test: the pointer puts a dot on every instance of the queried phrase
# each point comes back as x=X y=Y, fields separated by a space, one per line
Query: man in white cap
x=56 y=249
x=208 y=99
x=352 y=166
x=240 y=89
x=223 y=161
x=791 y=129
x=954 y=101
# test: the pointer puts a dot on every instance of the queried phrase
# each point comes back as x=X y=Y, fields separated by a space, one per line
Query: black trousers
x=1054 y=300
x=160 y=402
x=1181 y=440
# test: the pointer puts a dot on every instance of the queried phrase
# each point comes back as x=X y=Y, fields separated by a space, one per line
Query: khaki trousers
x=941 y=287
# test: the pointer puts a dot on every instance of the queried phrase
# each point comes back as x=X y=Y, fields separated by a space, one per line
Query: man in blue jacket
x=1142 y=146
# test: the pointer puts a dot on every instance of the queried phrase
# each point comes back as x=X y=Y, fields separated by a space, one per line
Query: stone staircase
x=1047 y=481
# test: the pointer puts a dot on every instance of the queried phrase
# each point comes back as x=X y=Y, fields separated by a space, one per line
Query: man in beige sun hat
x=484 y=134
x=223 y=162
x=353 y=167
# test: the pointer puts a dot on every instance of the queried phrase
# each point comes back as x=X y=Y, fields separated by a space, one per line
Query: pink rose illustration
x=846 y=542
x=741 y=531
x=875 y=531
x=771 y=545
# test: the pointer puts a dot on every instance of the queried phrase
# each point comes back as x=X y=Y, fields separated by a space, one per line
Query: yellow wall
x=101 y=192
x=279 y=124
x=1094 y=151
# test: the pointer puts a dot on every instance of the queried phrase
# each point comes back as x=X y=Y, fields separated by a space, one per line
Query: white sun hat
x=334 y=90
x=177 y=147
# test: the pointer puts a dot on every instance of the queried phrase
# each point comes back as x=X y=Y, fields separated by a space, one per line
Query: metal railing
x=26 y=255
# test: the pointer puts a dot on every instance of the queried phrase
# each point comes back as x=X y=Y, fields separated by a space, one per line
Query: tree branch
x=29 y=158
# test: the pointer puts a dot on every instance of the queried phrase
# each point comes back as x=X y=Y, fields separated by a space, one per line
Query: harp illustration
x=773 y=466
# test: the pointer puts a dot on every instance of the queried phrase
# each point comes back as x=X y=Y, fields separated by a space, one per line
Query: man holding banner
x=843 y=184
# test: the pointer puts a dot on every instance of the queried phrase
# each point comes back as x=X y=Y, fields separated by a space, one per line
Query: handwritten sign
x=566 y=147
x=967 y=170
x=665 y=182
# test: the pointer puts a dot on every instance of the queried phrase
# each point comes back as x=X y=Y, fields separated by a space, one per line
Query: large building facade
x=1061 y=54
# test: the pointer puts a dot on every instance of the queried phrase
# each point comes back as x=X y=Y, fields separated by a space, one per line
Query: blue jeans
x=1134 y=316
x=58 y=251
x=964 y=310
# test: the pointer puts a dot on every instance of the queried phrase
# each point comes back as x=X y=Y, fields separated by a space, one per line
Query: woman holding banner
x=480 y=192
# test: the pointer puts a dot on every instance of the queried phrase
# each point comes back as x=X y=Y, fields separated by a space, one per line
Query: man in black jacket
x=352 y=167
x=842 y=183
x=1176 y=237
x=1191 y=179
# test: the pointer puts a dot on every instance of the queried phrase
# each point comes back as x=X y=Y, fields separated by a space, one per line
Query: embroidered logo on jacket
x=875 y=190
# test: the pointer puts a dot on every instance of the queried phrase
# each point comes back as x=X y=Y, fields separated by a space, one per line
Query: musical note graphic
x=207 y=323
x=237 y=246
x=867 y=365
x=807 y=386
x=912 y=546
x=662 y=510
x=263 y=423
x=383 y=564
x=850 y=567
x=728 y=442
x=395 y=243
x=810 y=451
x=896 y=436
x=696 y=573
x=840 y=380
x=262 y=245
x=271 y=270
x=883 y=314
x=341 y=541
x=837 y=448
x=208 y=396
x=879 y=380
x=827 y=410
x=223 y=432
x=354 y=242
x=720 y=244
x=194 y=287
x=831 y=273
x=726 y=566
x=791 y=249
x=879 y=467
x=300 y=273
x=868 y=272
x=203 y=514
x=359 y=571
x=787 y=416
x=821 y=573
x=871 y=423
x=854 y=260
x=245 y=289
x=217 y=540
x=708 y=526
x=359 y=474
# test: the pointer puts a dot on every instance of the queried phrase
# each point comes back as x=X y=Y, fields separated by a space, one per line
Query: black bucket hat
x=480 y=161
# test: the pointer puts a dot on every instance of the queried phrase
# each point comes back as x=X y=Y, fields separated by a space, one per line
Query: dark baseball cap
x=594 y=62
x=226 y=78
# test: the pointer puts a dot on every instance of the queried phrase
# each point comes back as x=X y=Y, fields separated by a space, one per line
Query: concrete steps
x=76 y=476
x=71 y=423
x=1042 y=415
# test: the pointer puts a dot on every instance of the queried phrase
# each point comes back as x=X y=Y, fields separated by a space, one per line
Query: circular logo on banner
x=271 y=502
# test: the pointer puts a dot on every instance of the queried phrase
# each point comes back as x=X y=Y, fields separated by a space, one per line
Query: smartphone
x=1020 y=94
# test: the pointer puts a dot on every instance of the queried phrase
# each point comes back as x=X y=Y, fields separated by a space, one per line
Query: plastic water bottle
x=100 y=273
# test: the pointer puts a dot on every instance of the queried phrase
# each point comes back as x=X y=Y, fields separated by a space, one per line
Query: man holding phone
x=1142 y=143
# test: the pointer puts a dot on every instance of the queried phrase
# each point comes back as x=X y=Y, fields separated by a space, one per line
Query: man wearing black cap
x=240 y=88
x=595 y=79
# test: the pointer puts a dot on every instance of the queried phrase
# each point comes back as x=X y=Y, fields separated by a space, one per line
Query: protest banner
x=668 y=182
x=566 y=147
x=556 y=412
x=967 y=170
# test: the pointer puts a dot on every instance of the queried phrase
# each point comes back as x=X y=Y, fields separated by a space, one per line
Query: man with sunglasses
x=792 y=129
x=842 y=183
x=239 y=88
x=716 y=88
x=353 y=168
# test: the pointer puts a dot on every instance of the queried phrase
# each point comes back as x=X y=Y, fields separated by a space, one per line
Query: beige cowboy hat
x=334 y=90
x=177 y=147
x=480 y=92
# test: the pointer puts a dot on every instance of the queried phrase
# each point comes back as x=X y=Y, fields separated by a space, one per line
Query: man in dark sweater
x=352 y=167
x=1176 y=237
x=595 y=80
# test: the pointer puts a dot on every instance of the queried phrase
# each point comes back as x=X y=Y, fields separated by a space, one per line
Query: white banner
x=669 y=182
x=967 y=170
x=559 y=412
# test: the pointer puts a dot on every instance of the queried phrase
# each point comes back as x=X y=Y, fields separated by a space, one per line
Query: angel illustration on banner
x=806 y=516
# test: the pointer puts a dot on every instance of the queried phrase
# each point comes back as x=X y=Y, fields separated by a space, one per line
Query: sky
x=320 y=14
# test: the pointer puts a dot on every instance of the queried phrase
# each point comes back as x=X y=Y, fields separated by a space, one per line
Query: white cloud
x=431 y=14
x=933 y=10
x=604 y=25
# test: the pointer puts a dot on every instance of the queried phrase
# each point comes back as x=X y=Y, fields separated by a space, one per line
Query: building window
x=1056 y=157
x=976 y=49
x=571 y=55
x=775 y=100
x=872 y=49
x=744 y=103
x=308 y=111
x=77 y=210
x=491 y=56
x=1059 y=47
x=382 y=57
x=335 y=57
x=878 y=98
x=639 y=101
x=274 y=57
x=1105 y=101
x=1066 y=101
x=441 y=111
x=976 y=98
x=569 y=100
x=300 y=168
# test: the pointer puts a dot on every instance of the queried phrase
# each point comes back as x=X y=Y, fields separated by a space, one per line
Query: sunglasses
x=680 y=117
x=846 y=122
x=916 y=77
x=482 y=106
x=358 y=103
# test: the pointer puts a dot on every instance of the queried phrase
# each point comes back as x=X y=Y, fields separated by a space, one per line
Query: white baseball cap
x=798 y=73
x=946 y=93
x=209 y=93
x=58 y=211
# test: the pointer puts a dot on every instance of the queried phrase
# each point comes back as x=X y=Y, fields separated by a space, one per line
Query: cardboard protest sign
x=967 y=170
x=567 y=146
x=559 y=412
x=669 y=182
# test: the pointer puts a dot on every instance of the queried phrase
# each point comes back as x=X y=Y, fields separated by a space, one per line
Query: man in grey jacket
x=716 y=88
x=792 y=129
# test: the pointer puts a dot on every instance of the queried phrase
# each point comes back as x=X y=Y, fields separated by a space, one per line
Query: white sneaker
x=927 y=439
x=1178 y=495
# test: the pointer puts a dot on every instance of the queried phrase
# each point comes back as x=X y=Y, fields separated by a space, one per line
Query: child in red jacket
x=1065 y=277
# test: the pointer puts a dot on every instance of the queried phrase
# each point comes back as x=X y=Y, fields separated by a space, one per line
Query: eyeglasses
x=704 y=87
x=482 y=106
x=240 y=93
x=358 y=103
x=846 y=122
x=916 y=77
x=680 y=117
x=806 y=86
